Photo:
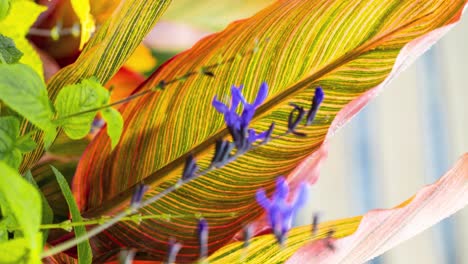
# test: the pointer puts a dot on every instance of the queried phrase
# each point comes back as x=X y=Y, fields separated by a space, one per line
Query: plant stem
x=132 y=218
x=134 y=208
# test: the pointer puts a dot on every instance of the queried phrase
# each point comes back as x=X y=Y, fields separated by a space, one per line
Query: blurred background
x=406 y=138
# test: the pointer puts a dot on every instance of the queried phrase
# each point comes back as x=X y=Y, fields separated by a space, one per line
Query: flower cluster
x=238 y=124
x=281 y=213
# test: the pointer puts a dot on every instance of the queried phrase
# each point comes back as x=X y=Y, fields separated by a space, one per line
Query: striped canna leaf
x=347 y=47
x=107 y=50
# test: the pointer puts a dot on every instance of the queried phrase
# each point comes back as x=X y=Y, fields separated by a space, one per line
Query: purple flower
x=202 y=233
x=238 y=125
x=316 y=102
x=281 y=213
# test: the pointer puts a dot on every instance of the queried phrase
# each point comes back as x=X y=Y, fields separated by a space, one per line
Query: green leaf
x=25 y=144
x=47 y=213
x=16 y=251
x=12 y=147
x=115 y=123
x=49 y=136
x=21 y=16
x=22 y=90
x=82 y=10
x=4 y=8
x=23 y=202
x=85 y=255
x=109 y=47
x=76 y=98
x=8 y=51
x=347 y=47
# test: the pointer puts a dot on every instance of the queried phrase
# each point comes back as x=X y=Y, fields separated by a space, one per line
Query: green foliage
x=16 y=24
x=8 y=51
x=84 y=248
x=22 y=90
x=115 y=123
x=47 y=213
x=4 y=8
x=12 y=145
x=86 y=98
x=72 y=99
x=20 y=201
x=14 y=251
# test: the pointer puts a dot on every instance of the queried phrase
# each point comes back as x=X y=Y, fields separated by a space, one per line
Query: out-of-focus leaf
x=22 y=90
x=23 y=201
x=103 y=9
x=348 y=48
x=107 y=50
x=359 y=239
x=4 y=8
x=381 y=230
x=141 y=60
x=47 y=214
x=124 y=83
x=82 y=9
x=15 y=251
x=8 y=51
x=16 y=25
x=115 y=123
x=76 y=98
x=11 y=145
x=211 y=14
x=84 y=249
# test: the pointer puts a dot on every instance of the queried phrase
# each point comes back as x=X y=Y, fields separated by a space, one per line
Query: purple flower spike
x=238 y=125
x=137 y=196
x=203 y=238
x=280 y=212
x=316 y=102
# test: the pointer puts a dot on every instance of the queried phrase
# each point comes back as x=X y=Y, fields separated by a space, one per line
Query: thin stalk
x=132 y=218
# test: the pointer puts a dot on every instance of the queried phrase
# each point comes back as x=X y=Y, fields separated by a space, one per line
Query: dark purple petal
x=138 y=194
x=262 y=199
x=282 y=189
x=261 y=95
x=220 y=107
x=237 y=97
x=203 y=237
x=319 y=95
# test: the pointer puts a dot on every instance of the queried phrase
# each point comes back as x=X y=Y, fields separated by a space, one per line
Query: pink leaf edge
x=309 y=169
x=381 y=230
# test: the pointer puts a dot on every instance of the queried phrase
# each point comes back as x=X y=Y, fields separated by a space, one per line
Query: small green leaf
x=84 y=249
x=12 y=147
x=14 y=251
x=115 y=123
x=8 y=51
x=22 y=90
x=85 y=96
x=49 y=136
x=4 y=8
x=25 y=144
x=18 y=251
x=47 y=213
x=23 y=202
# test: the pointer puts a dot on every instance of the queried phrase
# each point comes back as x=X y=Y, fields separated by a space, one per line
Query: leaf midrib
x=154 y=177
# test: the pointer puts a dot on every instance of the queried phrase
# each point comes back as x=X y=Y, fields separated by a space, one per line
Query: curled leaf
x=381 y=230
